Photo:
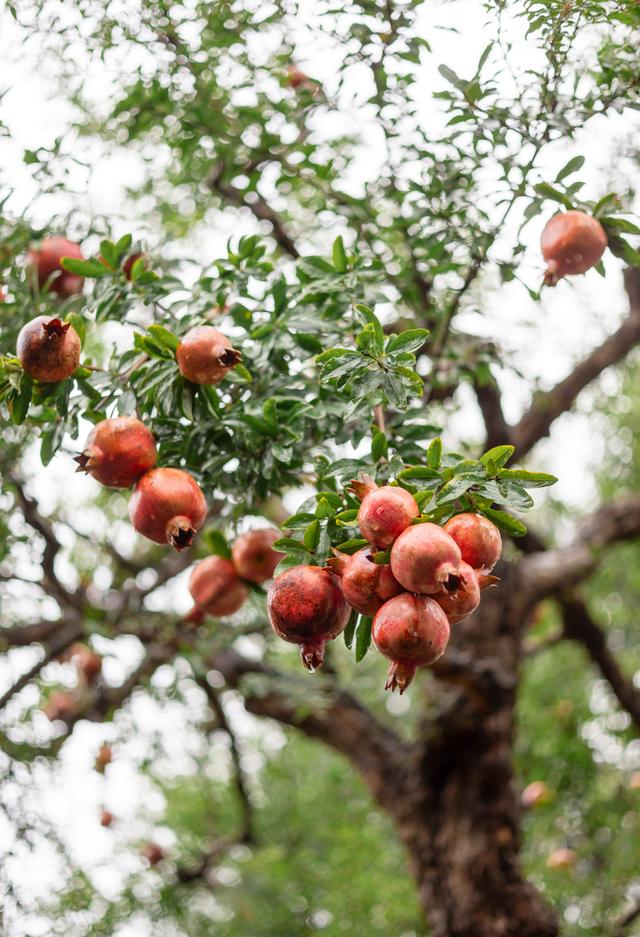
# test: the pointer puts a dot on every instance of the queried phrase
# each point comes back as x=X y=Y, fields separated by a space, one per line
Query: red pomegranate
x=366 y=585
x=117 y=452
x=103 y=758
x=86 y=661
x=205 y=355
x=385 y=512
x=153 y=853
x=60 y=705
x=216 y=588
x=167 y=506
x=306 y=607
x=562 y=858
x=479 y=540
x=572 y=242
x=464 y=599
x=48 y=349
x=106 y=817
x=536 y=794
x=411 y=631
x=45 y=261
x=426 y=559
x=253 y=555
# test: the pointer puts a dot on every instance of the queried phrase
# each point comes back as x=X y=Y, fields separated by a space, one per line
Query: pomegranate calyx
x=363 y=487
x=338 y=562
x=56 y=328
x=485 y=581
x=83 y=462
x=399 y=676
x=230 y=357
x=180 y=533
x=312 y=655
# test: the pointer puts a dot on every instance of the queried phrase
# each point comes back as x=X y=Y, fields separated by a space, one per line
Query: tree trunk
x=459 y=815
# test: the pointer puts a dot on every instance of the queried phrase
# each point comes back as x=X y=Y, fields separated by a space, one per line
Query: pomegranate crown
x=362 y=487
x=229 y=357
x=56 y=328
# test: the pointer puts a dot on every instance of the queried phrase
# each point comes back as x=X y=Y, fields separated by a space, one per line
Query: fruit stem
x=400 y=675
x=312 y=655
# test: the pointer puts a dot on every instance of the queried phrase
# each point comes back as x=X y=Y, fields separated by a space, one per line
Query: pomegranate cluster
x=220 y=586
x=431 y=579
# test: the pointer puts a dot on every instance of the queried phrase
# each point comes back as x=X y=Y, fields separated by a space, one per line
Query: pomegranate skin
x=479 y=540
x=117 y=452
x=45 y=260
x=425 y=559
x=205 y=355
x=167 y=506
x=306 y=607
x=367 y=585
x=87 y=662
x=60 y=706
x=384 y=514
x=153 y=853
x=411 y=631
x=48 y=349
x=571 y=242
x=106 y=818
x=253 y=555
x=216 y=588
x=464 y=599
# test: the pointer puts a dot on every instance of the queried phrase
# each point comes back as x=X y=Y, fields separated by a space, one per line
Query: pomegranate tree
x=118 y=451
x=411 y=631
x=48 y=349
x=168 y=506
x=306 y=607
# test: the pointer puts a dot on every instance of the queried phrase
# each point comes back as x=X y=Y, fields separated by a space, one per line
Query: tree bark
x=458 y=813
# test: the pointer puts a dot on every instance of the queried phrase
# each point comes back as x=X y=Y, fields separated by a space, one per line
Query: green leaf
x=339 y=256
x=363 y=637
x=352 y=546
x=298 y=521
x=411 y=340
x=621 y=248
x=349 y=631
x=323 y=508
x=506 y=522
x=572 y=166
x=499 y=455
x=418 y=471
x=51 y=441
x=163 y=337
x=286 y=544
x=217 y=543
x=548 y=191
x=619 y=224
x=379 y=446
x=454 y=488
x=21 y=401
x=528 y=479
x=84 y=268
x=434 y=453
x=311 y=535
x=369 y=317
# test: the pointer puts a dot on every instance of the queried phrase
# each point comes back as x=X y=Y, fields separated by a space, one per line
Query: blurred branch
x=490 y=403
x=620 y=926
x=66 y=636
x=545 y=573
x=579 y=626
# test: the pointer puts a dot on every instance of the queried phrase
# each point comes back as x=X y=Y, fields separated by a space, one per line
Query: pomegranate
x=385 y=512
x=153 y=853
x=254 y=556
x=205 y=355
x=572 y=242
x=60 y=705
x=48 y=349
x=103 y=758
x=366 y=585
x=561 y=858
x=167 y=506
x=117 y=452
x=106 y=817
x=426 y=559
x=87 y=662
x=479 y=540
x=216 y=588
x=536 y=794
x=411 y=631
x=306 y=607
x=464 y=599
x=45 y=261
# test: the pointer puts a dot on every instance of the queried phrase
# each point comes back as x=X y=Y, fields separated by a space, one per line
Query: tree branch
x=62 y=640
x=52 y=546
x=579 y=626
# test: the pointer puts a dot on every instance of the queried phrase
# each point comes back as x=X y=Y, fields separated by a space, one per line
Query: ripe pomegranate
x=411 y=631
x=562 y=858
x=536 y=794
x=153 y=853
x=118 y=451
x=216 y=588
x=106 y=817
x=306 y=607
x=366 y=585
x=167 y=506
x=253 y=555
x=103 y=758
x=464 y=599
x=385 y=512
x=87 y=662
x=205 y=355
x=45 y=261
x=572 y=242
x=48 y=349
x=426 y=559
x=479 y=540
x=60 y=705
